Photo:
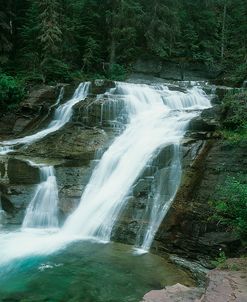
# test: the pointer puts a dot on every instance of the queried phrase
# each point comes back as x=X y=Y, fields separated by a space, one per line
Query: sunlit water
x=88 y=272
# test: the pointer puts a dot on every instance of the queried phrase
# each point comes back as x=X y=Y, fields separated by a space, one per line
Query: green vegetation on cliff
x=50 y=40
x=12 y=92
x=230 y=204
x=234 y=117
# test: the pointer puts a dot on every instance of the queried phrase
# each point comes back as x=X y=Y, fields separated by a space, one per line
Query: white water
x=157 y=118
x=42 y=211
x=61 y=116
x=152 y=124
x=166 y=187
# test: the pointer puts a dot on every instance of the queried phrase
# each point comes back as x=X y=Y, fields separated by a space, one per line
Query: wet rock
x=7 y=205
x=100 y=86
x=208 y=121
x=71 y=142
x=231 y=240
x=39 y=95
x=20 y=172
x=100 y=112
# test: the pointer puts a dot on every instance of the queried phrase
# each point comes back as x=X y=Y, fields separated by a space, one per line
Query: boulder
x=177 y=292
x=20 y=172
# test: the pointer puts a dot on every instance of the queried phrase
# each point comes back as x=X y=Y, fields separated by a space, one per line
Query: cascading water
x=156 y=118
x=165 y=188
x=42 y=211
x=61 y=116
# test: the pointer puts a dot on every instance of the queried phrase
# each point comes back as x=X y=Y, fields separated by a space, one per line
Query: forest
x=61 y=40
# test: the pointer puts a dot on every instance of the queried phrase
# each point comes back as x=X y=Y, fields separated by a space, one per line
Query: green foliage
x=220 y=261
x=231 y=204
x=12 y=92
x=235 y=111
x=117 y=72
x=88 y=35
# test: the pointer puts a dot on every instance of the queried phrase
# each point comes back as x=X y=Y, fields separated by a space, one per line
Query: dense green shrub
x=235 y=110
x=231 y=204
x=12 y=91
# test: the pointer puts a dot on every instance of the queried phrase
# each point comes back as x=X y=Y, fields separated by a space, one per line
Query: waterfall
x=165 y=188
x=156 y=117
x=42 y=211
x=62 y=115
x=151 y=118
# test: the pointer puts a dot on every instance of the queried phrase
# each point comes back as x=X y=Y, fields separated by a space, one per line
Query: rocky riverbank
x=222 y=285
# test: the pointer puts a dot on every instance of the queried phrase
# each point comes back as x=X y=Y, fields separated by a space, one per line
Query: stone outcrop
x=221 y=286
x=32 y=112
x=174 y=70
x=71 y=142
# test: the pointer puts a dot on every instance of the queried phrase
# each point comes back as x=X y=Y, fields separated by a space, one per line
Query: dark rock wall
x=173 y=70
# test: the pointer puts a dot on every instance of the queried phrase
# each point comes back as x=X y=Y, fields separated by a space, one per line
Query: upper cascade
x=62 y=116
x=152 y=123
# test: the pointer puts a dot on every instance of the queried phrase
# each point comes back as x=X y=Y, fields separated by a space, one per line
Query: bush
x=12 y=92
x=235 y=110
x=231 y=205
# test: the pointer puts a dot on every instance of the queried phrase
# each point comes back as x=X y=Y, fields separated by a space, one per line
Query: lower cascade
x=152 y=118
x=42 y=211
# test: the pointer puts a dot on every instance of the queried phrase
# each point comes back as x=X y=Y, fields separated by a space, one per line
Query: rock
x=99 y=112
x=199 y=124
x=38 y=96
x=176 y=70
x=153 y=66
x=20 y=172
x=71 y=142
x=187 y=229
x=244 y=84
x=222 y=286
x=20 y=124
x=7 y=205
x=175 y=293
x=226 y=286
x=100 y=86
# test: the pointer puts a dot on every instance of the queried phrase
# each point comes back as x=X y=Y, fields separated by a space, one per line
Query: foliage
x=12 y=91
x=231 y=204
x=88 y=35
x=235 y=111
x=220 y=261
x=116 y=72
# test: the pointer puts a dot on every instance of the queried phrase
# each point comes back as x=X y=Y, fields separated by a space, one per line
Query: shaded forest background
x=62 y=40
